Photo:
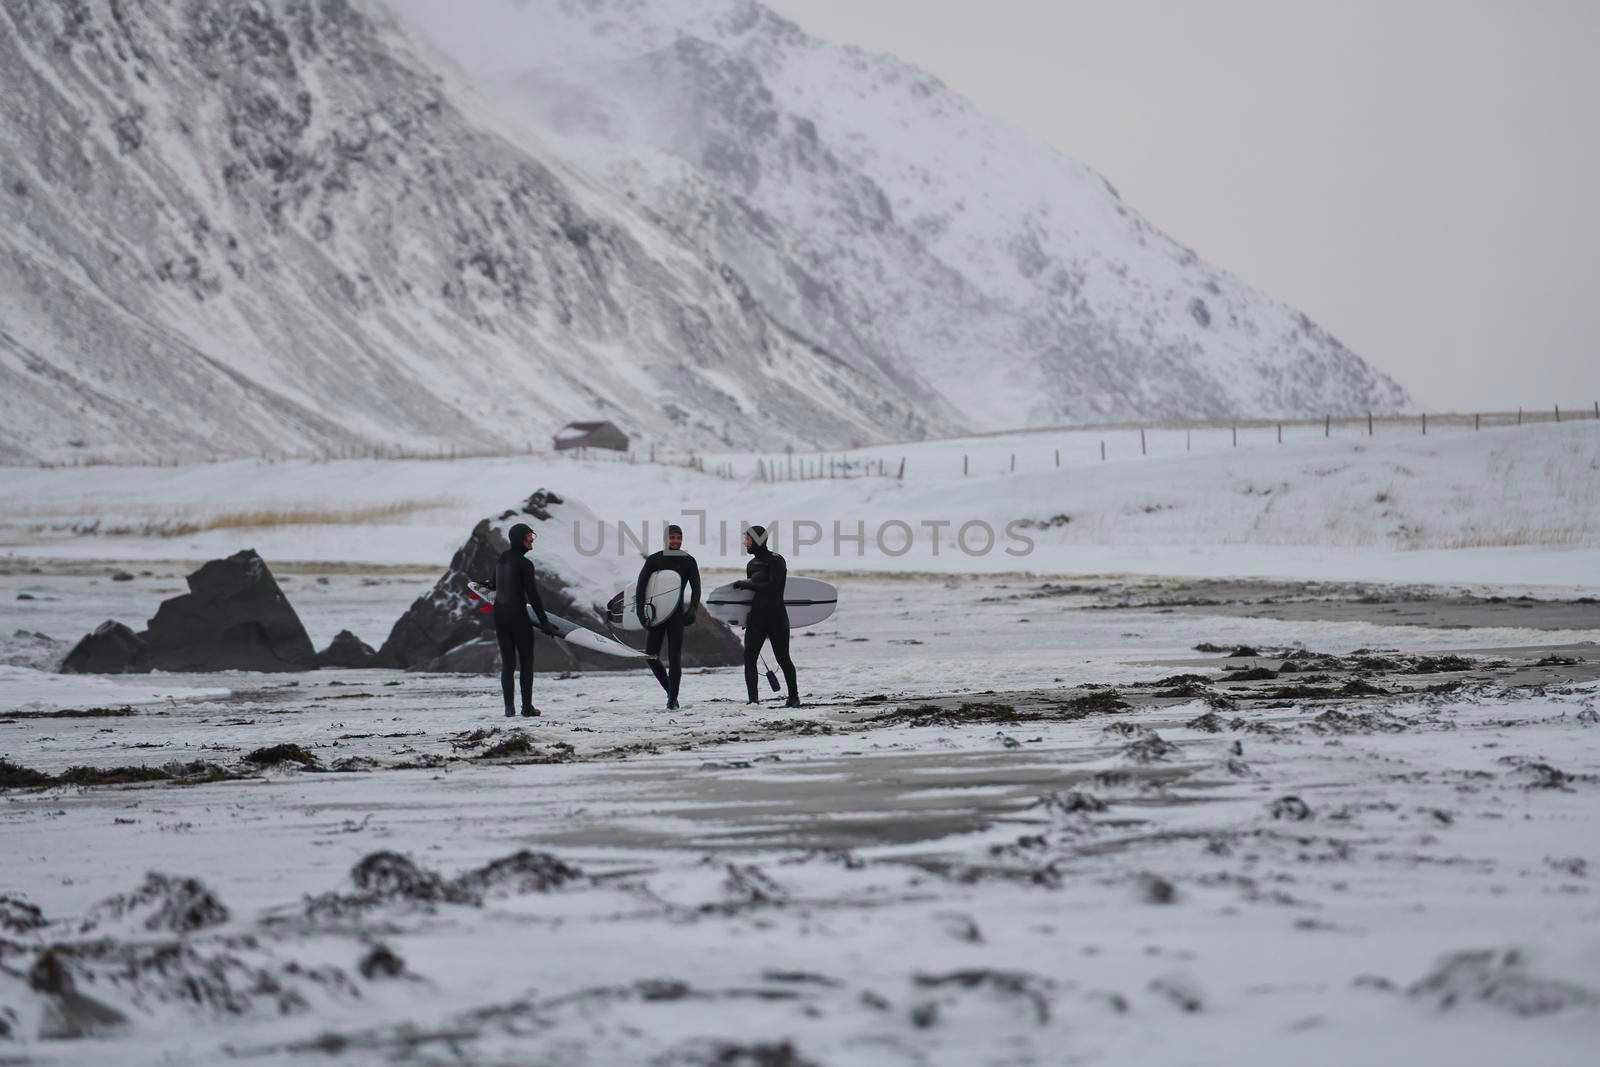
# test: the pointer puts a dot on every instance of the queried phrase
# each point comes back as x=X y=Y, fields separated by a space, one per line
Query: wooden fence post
x=1236 y=437
x=1327 y=425
x=1013 y=463
x=1369 y=424
x=1102 y=450
x=1280 y=433
x=1558 y=412
x=1519 y=416
x=1477 y=423
x=963 y=465
x=1424 y=424
x=1142 y=450
x=1188 y=440
x=1596 y=415
x=902 y=475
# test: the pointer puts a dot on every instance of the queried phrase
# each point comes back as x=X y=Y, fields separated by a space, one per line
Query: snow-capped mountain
x=871 y=207
x=284 y=225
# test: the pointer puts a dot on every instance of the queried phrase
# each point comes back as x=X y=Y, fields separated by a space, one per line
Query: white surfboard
x=570 y=632
x=807 y=600
x=663 y=595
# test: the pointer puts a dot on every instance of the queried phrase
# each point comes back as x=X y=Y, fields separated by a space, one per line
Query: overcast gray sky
x=1420 y=176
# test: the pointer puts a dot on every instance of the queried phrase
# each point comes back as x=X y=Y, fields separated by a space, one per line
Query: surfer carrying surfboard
x=515 y=593
x=765 y=577
x=672 y=558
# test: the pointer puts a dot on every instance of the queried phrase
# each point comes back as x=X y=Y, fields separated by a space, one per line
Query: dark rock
x=111 y=649
x=121 y=576
x=234 y=617
x=346 y=650
x=447 y=617
x=539 y=503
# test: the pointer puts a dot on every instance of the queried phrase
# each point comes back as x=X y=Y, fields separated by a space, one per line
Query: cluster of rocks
x=235 y=617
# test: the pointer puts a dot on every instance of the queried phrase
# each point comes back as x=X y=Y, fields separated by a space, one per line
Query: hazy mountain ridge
x=265 y=227
x=288 y=226
x=953 y=241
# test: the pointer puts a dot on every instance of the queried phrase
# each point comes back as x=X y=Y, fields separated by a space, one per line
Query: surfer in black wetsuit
x=514 y=592
x=671 y=558
x=765 y=577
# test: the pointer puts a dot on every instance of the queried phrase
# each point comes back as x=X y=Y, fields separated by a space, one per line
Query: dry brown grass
x=1519 y=537
x=264 y=518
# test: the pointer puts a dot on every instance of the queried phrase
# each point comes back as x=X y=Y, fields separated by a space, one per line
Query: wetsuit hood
x=758 y=541
x=518 y=532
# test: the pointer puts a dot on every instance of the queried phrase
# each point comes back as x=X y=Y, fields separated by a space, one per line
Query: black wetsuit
x=514 y=591
x=671 y=631
x=765 y=576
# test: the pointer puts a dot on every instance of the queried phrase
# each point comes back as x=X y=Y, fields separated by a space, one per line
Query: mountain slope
x=278 y=226
x=857 y=191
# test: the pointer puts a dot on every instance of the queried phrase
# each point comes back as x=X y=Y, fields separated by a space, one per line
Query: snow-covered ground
x=1516 y=506
x=735 y=885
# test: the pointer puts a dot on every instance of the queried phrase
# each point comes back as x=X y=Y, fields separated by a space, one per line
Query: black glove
x=549 y=630
x=741 y=584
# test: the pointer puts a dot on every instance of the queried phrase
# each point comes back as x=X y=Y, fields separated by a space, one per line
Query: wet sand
x=1433 y=607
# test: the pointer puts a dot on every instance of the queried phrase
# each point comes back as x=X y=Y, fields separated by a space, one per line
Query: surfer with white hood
x=671 y=558
x=765 y=577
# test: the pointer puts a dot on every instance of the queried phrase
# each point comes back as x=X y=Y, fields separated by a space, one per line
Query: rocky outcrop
x=234 y=618
x=347 y=650
x=112 y=648
x=446 y=630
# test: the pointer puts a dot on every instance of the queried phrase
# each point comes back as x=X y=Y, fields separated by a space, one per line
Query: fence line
x=820 y=465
